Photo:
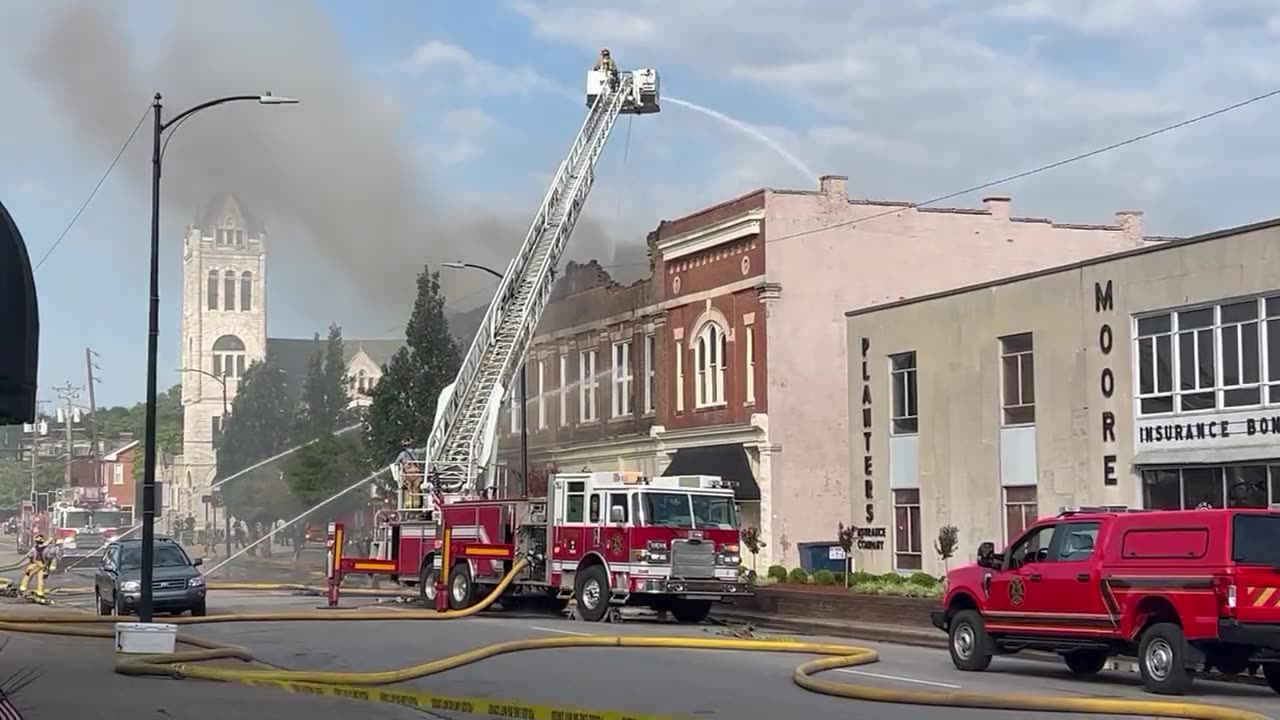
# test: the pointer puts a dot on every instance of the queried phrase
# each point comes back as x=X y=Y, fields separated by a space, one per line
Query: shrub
x=798 y=576
x=838 y=578
x=860 y=577
x=824 y=577
x=777 y=572
x=923 y=580
x=892 y=578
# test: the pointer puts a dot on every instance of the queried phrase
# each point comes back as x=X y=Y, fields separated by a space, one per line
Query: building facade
x=1148 y=378
x=117 y=473
x=745 y=306
x=224 y=331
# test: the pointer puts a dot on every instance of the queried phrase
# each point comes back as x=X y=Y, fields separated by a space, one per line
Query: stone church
x=224 y=330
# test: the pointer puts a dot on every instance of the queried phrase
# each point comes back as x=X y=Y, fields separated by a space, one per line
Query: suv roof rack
x=1094 y=509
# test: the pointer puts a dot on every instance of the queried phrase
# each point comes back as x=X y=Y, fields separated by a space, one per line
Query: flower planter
x=836 y=603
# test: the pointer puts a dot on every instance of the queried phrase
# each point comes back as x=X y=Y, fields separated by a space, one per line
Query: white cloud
x=457 y=66
x=921 y=97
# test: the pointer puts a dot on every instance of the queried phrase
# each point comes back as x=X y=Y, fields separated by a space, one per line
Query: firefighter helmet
x=40 y=539
x=605 y=52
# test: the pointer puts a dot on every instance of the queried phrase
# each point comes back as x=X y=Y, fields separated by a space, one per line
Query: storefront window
x=1247 y=486
x=1237 y=486
x=1162 y=489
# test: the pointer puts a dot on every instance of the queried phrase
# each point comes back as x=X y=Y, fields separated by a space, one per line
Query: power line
x=101 y=180
x=1034 y=171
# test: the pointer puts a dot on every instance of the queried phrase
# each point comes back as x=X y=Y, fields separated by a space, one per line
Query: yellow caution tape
x=435 y=702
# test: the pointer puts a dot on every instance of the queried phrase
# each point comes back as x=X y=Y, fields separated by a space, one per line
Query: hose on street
x=185 y=663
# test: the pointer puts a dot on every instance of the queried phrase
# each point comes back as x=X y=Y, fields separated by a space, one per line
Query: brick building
x=117 y=473
x=730 y=358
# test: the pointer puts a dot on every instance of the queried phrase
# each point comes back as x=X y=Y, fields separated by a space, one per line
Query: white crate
x=146 y=638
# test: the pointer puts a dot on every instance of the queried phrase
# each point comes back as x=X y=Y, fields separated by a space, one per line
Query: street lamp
x=221 y=381
x=153 y=331
x=524 y=385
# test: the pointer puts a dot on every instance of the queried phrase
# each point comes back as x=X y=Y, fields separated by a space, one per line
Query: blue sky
x=428 y=131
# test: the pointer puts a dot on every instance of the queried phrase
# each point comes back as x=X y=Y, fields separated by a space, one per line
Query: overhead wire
x=1034 y=171
x=96 y=187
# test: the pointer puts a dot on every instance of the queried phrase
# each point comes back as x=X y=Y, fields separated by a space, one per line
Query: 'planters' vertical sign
x=869 y=486
x=1104 y=301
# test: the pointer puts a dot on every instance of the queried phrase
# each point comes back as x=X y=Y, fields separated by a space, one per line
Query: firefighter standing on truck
x=40 y=561
x=606 y=64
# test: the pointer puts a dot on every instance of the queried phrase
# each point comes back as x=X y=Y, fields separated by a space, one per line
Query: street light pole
x=524 y=389
x=153 y=334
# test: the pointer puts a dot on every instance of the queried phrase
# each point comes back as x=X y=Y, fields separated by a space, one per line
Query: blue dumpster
x=815 y=556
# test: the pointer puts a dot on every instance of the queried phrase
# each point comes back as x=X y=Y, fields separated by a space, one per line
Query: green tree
x=113 y=421
x=260 y=426
x=404 y=400
x=15 y=481
x=330 y=464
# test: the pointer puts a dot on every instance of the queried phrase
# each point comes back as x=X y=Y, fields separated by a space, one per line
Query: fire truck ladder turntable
x=462 y=436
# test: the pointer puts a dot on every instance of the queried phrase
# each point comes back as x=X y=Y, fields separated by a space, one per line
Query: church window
x=229 y=291
x=228 y=356
x=213 y=289
x=246 y=291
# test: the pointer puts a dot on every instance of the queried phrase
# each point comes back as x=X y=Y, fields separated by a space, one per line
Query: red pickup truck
x=1180 y=590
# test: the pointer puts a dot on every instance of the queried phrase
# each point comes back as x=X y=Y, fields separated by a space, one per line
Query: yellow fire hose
x=181 y=664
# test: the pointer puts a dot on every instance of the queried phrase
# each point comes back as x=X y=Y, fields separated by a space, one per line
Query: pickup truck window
x=1078 y=541
x=1255 y=539
x=1032 y=548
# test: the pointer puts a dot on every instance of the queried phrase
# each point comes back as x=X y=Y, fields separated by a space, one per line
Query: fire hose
x=183 y=664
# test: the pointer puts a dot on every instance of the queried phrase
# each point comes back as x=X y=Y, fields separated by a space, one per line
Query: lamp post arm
x=203 y=106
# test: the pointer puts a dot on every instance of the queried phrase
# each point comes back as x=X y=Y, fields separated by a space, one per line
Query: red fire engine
x=602 y=538
x=86 y=523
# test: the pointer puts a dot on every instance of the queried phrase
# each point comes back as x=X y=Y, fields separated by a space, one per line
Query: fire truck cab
x=602 y=538
x=83 y=527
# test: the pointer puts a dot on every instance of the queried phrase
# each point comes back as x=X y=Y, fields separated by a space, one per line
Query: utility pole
x=67 y=393
x=93 y=418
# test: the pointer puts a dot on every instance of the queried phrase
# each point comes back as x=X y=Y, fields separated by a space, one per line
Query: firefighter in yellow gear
x=606 y=64
x=41 y=560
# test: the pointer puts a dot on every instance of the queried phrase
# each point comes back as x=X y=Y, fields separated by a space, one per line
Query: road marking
x=864 y=673
x=558 y=630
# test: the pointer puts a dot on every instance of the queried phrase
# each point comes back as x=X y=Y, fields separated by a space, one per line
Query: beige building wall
x=1071 y=316
x=826 y=254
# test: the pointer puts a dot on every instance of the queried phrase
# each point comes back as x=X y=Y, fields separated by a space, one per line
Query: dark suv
x=177 y=586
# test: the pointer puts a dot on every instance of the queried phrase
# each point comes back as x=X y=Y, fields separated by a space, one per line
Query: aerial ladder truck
x=671 y=543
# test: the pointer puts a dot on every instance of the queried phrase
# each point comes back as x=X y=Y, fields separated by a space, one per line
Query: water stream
x=751 y=131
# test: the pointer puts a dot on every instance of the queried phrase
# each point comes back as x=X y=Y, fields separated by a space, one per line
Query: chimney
x=1130 y=222
x=997 y=206
x=835 y=186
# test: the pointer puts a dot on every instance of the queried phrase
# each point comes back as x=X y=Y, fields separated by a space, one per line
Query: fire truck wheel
x=691 y=611
x=427 y=582
x=591 y=591
x=460 y=586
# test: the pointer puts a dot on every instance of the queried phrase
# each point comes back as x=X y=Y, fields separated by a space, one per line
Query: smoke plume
x=338 y=166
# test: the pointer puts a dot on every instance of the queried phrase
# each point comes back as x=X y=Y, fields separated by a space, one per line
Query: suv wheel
x=199 y=610
x=103 y=607
x=1271 y=671
x=970 y=645
x=1162 y=658
x=1085 y=662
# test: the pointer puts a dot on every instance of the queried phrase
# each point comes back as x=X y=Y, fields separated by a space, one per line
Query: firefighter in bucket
x=41 y=560
x=407 y=472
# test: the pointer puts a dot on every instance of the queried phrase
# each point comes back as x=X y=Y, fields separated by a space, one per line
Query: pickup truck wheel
x=1085 y=662
x=1162 y=659
x=970 y=644
x=1271 y=671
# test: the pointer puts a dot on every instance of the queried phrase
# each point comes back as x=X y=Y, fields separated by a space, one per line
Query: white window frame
x=751 y=364
x=623 y=377
x=587 y=384
x=711 y=361
x=1153 y=400
x=904 y=371
x=117 y=474
x=650 y=376
x=542 y=394
x=679 y=376
x=564 y=391
x=915 y=531
x=1017 y=361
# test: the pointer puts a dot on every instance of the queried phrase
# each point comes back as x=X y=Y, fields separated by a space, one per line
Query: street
x=683 y=682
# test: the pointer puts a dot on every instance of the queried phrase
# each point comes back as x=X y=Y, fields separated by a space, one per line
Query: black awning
x=19 y=326
x=724 y=461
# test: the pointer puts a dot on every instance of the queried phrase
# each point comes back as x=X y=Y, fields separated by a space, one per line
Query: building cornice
x=703 y=238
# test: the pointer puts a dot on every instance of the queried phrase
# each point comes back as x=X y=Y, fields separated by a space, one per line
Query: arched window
x=246 y=291
x=228 y=356
x=213 y=289
x=362 y=382
x=711 y=361
x=229 y=290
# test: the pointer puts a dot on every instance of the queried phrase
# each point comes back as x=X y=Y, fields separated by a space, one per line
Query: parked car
x=177 y=585
x=1180 y=590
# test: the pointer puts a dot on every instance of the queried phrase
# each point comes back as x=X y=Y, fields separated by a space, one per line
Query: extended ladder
x=466 y=416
